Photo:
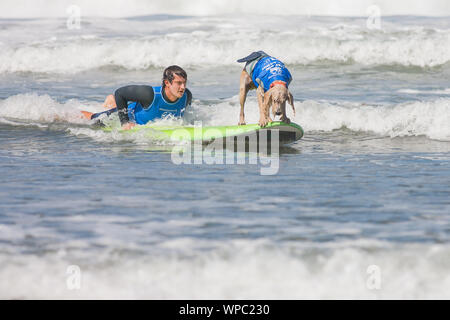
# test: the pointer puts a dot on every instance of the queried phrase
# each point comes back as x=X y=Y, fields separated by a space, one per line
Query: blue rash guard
x=159 y=108
x=268 y=70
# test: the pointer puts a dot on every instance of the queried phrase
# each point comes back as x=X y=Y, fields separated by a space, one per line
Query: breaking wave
x=430 y=119
x=217 y=42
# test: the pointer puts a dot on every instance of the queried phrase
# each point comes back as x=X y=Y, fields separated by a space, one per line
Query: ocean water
x=357 y=209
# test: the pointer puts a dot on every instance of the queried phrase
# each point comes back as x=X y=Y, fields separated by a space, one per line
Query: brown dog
x=270 y=78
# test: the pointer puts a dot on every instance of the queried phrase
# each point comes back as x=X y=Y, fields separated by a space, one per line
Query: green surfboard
x=284 y=133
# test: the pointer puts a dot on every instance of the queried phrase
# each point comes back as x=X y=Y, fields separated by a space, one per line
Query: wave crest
x=430 y=119
x=418 y=47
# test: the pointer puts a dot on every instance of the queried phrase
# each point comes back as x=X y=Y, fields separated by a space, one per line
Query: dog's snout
x=278 y=113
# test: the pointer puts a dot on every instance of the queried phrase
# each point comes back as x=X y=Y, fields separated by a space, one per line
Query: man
x=139 y=104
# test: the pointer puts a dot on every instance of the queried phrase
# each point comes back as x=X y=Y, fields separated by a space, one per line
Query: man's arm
x=136 y=93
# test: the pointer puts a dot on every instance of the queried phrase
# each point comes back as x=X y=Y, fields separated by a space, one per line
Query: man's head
x=174 y=81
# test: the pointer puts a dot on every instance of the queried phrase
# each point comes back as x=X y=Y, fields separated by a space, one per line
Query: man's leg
x=110 y=102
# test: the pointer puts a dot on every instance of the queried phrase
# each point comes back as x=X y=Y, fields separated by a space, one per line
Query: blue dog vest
x=159 y=108
x=268 y=70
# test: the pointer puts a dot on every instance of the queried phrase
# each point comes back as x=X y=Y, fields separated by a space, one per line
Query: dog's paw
x=285 y=120
x=263 y=122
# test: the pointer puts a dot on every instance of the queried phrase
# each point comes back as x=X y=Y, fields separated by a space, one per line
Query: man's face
x=177 y=87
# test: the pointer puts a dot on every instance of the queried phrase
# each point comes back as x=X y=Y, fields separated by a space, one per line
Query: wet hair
x=170 y=71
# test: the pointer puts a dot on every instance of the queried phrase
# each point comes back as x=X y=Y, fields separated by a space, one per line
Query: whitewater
x=367 y=188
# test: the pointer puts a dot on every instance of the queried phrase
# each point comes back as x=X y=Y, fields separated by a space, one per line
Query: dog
x=271 y=79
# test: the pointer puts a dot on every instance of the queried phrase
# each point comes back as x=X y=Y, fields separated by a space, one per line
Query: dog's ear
x=268 y=98
x=291 y=101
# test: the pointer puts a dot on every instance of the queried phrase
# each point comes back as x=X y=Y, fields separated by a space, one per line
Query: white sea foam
x=430 y=119
x=237 y=270
x=426 y=92
x=39 y=108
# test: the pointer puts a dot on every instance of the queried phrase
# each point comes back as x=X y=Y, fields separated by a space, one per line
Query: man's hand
x=128 y=125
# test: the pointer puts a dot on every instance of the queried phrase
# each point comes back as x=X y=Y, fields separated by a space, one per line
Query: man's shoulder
x=189 y=96
x=135 y=88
